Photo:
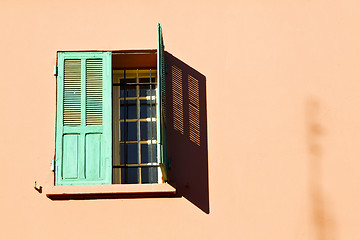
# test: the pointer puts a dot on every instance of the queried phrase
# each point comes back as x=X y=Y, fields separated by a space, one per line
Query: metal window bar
x=151 y=122
x=125 y=129
x=138 y=165
x=138 y=124
x=157 y=119
x=132 y=84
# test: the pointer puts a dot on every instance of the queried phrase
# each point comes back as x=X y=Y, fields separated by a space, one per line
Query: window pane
x=131 y=131
x=147 y=130
x=146 y=155
x=130 y=107
x=149 y=174
x=132 y=153
x=130 y=91
x=145 y=91
x=147 y=110
x=129 y=175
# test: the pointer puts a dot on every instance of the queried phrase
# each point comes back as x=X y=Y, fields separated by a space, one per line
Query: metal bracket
x=55 y=70
x=38 y=187
x=53 y=165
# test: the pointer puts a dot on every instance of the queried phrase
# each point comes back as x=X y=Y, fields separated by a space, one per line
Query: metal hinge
x=53 y=165
x=55 y=70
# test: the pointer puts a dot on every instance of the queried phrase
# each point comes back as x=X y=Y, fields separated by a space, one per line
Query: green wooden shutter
x=161 y=106
x=83 y=120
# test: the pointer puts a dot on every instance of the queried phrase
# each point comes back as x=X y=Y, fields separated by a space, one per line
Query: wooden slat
x=94 y=91
x=72 y=92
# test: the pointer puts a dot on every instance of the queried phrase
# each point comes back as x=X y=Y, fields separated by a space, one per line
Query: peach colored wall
x=283 y=94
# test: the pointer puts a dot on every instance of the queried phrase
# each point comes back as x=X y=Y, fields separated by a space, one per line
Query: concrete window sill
x=109 y=191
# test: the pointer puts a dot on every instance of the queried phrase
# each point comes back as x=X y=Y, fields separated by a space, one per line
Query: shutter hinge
x=53 y=165
x=55 y=70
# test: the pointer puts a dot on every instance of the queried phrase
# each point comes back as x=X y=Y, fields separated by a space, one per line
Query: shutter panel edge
x=161 y=106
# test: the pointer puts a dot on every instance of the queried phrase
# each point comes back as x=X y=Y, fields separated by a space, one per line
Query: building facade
x=262 y=120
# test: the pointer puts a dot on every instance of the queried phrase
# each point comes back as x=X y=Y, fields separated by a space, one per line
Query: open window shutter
x=161 y=107
x=83 y=121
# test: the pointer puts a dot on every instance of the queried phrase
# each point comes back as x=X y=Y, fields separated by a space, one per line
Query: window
x=111 y=115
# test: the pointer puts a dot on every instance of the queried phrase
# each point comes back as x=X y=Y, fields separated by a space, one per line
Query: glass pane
x=147 y=130
x=130 y=90
x=145 y=90
x=128 y=109
x=129 y=175
x=131 y=131
x=131 y=153
x=149 y=174
x=147 y=110
x=148 y=153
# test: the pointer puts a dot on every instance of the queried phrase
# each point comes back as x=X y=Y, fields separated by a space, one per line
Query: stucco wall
x=283 y=117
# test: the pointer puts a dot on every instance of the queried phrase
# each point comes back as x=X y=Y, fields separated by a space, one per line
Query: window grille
x=136 y=141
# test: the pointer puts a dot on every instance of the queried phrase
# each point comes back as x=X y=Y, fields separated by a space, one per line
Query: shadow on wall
x=323 y=222
x=187 y=132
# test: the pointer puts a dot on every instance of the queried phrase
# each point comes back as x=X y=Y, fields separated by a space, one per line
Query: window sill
x=110 y=191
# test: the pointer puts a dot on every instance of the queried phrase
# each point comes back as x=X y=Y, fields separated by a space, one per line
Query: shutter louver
x=162 y=79
x=94 y=93
x=72 y=92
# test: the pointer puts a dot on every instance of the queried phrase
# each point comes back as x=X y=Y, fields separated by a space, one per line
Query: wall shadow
x=322 y=220
x=187 y=132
